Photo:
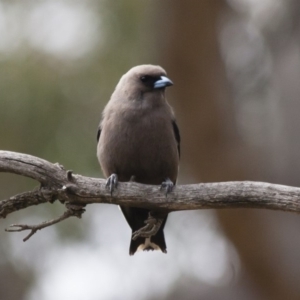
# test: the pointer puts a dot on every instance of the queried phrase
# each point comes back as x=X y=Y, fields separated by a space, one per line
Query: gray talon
x=167 y=185
x=112 y=183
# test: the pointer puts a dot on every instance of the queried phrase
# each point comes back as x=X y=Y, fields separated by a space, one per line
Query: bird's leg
x=132 y=178
x=112 y=183
x=167 y=185
x=152 y=226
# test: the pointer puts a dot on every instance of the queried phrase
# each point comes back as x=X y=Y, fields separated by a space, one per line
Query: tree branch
x=60 y=184
x=72 y=211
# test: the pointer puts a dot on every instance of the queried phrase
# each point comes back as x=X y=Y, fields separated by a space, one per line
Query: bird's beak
x=162 y=82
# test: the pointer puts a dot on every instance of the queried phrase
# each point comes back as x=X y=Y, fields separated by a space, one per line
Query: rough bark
x=58 y=183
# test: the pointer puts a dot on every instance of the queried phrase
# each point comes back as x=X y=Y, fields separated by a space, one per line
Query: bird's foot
x=151 y=228
x=112 y=183
x=167 y=185
x=132 y=178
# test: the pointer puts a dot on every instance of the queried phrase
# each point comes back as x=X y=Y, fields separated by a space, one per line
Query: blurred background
x=236 y=69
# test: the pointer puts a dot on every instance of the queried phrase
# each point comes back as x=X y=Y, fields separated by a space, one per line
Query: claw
x=167 y=185
x=112 y=183
x=132 y=178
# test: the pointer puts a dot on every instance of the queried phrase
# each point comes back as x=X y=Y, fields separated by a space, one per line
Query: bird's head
x=144 y=79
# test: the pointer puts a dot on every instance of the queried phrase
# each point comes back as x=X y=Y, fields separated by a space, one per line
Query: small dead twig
x=151 y=228
x=72 y=211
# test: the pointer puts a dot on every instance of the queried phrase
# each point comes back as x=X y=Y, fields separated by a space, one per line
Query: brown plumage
x=138 y=137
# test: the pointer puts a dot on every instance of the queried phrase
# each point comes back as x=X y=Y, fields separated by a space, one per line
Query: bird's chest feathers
x=140 y=139
x=140 y=128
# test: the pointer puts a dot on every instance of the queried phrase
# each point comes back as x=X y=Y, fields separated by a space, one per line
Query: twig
x=150 y=229
x=72 y=211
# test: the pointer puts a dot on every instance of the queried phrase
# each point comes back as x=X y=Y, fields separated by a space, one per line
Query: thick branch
x=59 y=184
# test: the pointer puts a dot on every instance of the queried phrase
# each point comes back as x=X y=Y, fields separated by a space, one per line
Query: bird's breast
x=140 y=145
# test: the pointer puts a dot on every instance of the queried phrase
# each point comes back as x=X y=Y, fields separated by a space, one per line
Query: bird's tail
x=156 y=242
x=136 y=219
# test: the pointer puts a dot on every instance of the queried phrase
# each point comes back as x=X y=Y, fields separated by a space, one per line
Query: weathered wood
x=57 y=183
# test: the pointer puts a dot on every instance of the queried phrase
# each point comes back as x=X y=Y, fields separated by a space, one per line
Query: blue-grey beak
x=162 y=82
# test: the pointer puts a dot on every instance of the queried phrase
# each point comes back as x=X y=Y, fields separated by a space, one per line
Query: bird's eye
x=146 y=78
x=149 y=80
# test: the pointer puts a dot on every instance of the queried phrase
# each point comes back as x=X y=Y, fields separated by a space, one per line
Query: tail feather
x=156 y=242
x=136 y=219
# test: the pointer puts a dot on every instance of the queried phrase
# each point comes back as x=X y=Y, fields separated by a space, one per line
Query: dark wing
x=177 y=135
x=98 y=133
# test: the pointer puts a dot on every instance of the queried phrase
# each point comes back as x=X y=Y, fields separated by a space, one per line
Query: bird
x=139 y=140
